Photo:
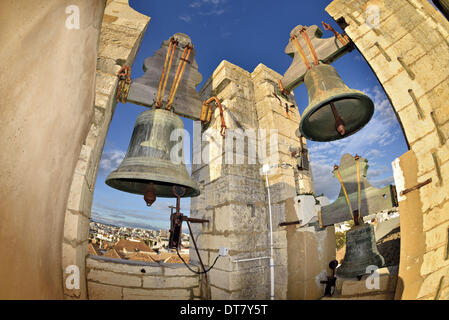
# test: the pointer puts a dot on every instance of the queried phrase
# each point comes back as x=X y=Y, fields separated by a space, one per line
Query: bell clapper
x=339 y=123
x=150 y=195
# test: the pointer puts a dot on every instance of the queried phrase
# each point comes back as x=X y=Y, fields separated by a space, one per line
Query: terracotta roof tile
x=132 y=246
x=93 y=250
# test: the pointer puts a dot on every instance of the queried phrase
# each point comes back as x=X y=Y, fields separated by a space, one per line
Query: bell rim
x=352 y=93
x=193 y=191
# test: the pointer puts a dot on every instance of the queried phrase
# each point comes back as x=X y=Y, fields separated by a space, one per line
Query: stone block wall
x=121 y=34
x=114 y=279
x=408 y=50
x=234 y=196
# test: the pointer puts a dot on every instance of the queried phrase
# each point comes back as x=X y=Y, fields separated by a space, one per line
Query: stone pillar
x=304 y=253
x=234 y=196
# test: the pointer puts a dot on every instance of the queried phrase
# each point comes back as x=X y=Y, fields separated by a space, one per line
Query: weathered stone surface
x=236 y=193
x=170 y=282
x=97 y=291
x=112 y=278
x=124 y=268
x=151 y=294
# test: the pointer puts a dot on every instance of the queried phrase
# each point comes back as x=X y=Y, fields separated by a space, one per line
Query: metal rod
x=283 y=224
x=251 y=259
x=419 y=185
x=194 y=220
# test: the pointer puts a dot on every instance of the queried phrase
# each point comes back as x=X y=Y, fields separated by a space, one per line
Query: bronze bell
x=334 y=110
x=147 y=161
x=361 y=252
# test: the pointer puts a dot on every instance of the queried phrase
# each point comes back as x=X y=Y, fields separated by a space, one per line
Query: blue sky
x=245 y=33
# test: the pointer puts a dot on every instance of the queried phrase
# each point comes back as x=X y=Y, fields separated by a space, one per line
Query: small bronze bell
x=147 y=164
x=361 y=252
x=334 y=110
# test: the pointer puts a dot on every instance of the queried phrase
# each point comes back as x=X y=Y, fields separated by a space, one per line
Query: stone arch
x=412 y=40
x=408 y=52
x=122 y=30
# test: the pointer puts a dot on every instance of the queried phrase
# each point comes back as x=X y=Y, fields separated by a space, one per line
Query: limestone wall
x=408 y=51
x=234 y=197
x=47 y=88
x=122 y=30
x=114 y=279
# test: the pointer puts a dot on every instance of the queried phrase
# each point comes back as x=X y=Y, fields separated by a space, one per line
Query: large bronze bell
x=334 y=110
x=147 y=161
x=361 y=252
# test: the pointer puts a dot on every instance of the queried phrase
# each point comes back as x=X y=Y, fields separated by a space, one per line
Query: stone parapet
x=114 y=279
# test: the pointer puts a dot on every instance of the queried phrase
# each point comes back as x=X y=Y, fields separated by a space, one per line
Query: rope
x=344 y=41
x=344 y=189
x=295 y=41
x=205 y=116
x=358 y=183
x=309 y=45
x=281 y=87
x=124 y=75
x=168 y=72
x=167 y=56
x=179 y=72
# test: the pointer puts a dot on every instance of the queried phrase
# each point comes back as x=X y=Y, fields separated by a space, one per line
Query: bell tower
x=234 y=196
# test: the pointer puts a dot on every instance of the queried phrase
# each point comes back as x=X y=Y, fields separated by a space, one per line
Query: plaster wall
x=47 y=72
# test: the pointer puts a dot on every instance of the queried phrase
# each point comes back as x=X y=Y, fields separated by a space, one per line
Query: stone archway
x=122 y=30
x=408 y=52
x=407 y=49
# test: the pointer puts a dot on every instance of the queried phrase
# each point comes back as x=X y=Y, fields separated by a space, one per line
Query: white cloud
x=209 y=7
x=110 y=160
x=186 y=18
x=213 y=12
x=195 y=4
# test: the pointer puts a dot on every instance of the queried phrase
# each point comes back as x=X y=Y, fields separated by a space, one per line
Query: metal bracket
x=283 y=224
x=420 y=185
